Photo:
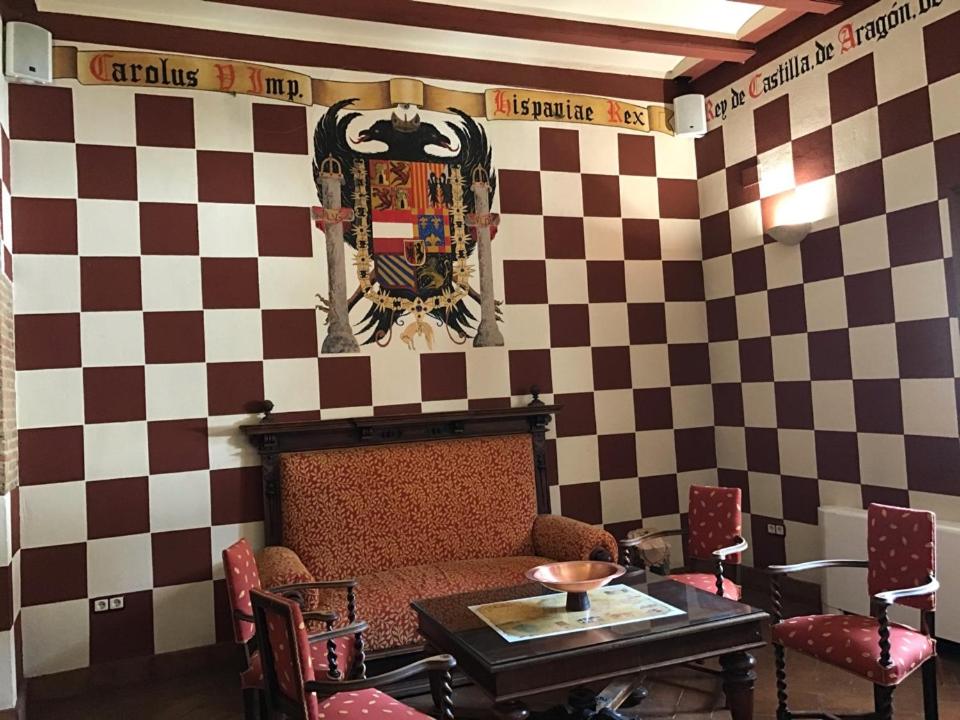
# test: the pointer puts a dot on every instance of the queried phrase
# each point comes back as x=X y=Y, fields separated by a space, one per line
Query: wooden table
x=711 y=626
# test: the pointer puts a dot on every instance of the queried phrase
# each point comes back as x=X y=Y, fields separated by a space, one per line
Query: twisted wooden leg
x=883 y=702
x=779 y=658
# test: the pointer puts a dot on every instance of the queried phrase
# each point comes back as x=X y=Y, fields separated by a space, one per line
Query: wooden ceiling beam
x=819 y=7
x=435 y=16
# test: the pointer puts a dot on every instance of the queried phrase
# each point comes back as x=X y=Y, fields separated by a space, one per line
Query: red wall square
x=641 y=239
x=114 y=394
x=647 y=323
x=524 y=282
x=853 y=89
x=225 y=176
x=236 y=495
x=519 y=192
x=230 y=282
x=289 y=333
x=611 y=368
x=53 y=574
x=107 y=172
x=581 y=501
x=50 y=455
x=178 y=446
x=637 y=154
x=284 y=231
x=529 y=368
x=710 y=154
x=443 y=376
x=601 y=195
x=563 y=238
x=559 y=149
x=813 y=156
x=106 y=497
x=345 y=381
x=771 y=124
x=860 y=193
x=569 y=326
x=165 y=121
x=110 y=283
x=232 y=387
x=606 y=281
x=173 y=337
x=679 y=198
x=579 y=415
x=905 y=122
x=44 y=225
x=47 y=341
x=618 y=456
x=280 y=129
x=126 y=634
x=169 y=229
x=40 y=112
x=181 y=556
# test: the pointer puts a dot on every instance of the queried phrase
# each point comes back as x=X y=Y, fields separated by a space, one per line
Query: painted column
x=330 y=219
x=488 y=334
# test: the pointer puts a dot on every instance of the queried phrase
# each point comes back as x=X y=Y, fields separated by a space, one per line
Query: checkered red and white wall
x=165 y=268
x=834 y=363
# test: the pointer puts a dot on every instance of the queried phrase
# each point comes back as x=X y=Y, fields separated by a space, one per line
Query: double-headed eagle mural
x=415 y=210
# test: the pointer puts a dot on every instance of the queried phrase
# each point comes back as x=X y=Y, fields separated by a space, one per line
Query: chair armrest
x=563 y=538
x=892 y=596
x=437 y=663
x=739 y=546
x=814 y=565
x=327 y=618
x=315 y=585
x=351 y=629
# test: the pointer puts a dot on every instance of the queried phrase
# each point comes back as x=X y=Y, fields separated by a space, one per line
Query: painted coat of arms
x=415 y=210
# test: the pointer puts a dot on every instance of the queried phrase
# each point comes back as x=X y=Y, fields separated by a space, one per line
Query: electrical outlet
x=776 y=529
x=116 y=603
x=101 y=605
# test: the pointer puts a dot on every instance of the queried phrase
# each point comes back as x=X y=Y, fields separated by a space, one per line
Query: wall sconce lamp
x=790 y=234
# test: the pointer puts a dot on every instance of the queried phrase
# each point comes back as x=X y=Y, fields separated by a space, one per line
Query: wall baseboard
x=130 y=671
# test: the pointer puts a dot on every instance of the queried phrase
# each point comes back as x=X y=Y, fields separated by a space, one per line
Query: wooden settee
x=411 y=506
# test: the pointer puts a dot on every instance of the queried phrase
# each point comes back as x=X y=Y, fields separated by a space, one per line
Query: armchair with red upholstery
x=715 y=525
x=901 y=569
x=293 y=690
x=338 y=657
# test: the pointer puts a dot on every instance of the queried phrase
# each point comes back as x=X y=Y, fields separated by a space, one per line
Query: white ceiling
x=706 y=17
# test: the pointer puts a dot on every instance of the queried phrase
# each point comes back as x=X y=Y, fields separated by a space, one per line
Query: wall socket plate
x=776 y=529
x=116 y=603
x=101 y=605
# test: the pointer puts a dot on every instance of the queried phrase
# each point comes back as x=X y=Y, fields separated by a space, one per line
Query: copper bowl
x=576 y=578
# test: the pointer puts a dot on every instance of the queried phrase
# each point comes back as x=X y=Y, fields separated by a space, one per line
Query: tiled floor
x=676 y=693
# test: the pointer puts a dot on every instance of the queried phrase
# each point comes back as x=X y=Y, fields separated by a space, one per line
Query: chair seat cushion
x=852 y=642
x=708 y=582
x=366 y=705
x=252 y=677
x=383 y=598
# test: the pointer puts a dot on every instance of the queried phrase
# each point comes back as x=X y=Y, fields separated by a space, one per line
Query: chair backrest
x=714 y=520
x=242 y=576
x=285 y=655
x=902 y=551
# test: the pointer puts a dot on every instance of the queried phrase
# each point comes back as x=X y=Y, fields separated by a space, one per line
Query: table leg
x=512 y=710
x=738 y=680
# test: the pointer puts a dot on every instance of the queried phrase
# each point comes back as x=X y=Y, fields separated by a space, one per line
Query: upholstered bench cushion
x=383 y=598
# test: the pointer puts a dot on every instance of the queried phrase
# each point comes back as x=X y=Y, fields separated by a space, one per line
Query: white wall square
x=844 y=494
x=826 y=304
x=746 y=226
x=53 y=514
x=910 y=178
x=675 y=156
x=896 y=70
x=753 y=315
x=97 y=114
x=183 y=615
x=119 y=565
x=686 y=322
x=166 y=174
x=724 y=362
x=680 y=239
x=644 y=279
x=561 y=193
x=739 y=139
x=620 y=500
x=856 y=140
x=776 y=170
x=759 y=404
x=227 y=230
x=599 y=153
x=59 y=163
x=712 y=190
x=783 y=265
x=656 y=453
x=718 y=277
x=608 y=324
x=603 y=238
x=803 y=542
x=108 y=228
x=46 y=283
x=488 y=373
x=929 y=407
x=59 y=637
x=227 y=446
x=522 y=238
x=639 y=197
x=692 y=406
x=115 y=450
x=176 y=391
x=814 y=112
x=49 y=398
x=614 y=409
x=386 y=366
x=798 y=454
x=282 y=179
x=864 y=245
x=731 y=448
x=571 y=369
x=920 y=291
x=833 y=407
x=791 y=360
x=873 y=352
x=766 y=497
x=883 y=460
x=945 y=106
x=223 y=122
x=232 y=335
x=111 y=338
x=290 y=282
x=171 y=283
x=566 y=281
x=292 y=384
x=650 y=366
x=523 y=139
x=526 y=327
x=577 y=459
x=179 y=501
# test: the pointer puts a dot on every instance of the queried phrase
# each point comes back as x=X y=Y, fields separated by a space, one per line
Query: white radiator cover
x=844 y=532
